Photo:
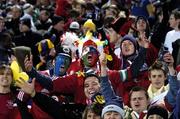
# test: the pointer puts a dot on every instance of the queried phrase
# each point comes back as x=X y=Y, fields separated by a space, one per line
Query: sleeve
x=66 y=85
x=176 y=112
x=49 y=105
x=108 y=92
x=45 y=81
x=173 y=90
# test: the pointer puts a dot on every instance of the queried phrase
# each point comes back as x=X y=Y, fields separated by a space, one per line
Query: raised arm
x=45 y=81
x=172 y=78
x=106 y=87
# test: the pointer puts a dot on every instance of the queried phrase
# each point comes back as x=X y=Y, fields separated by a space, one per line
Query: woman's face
x=141 y=25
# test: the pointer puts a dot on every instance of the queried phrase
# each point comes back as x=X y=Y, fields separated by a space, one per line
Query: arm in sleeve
x=23 y=109
x=173 y=90
x=108 y=92
x=49 y=105
x=176 y=111
x=45 y=81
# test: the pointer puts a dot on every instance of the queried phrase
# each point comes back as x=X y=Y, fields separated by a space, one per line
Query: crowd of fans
x=89 y=59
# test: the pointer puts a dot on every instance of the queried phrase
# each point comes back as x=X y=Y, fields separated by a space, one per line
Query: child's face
x=92 y=115
x=5 y=77
x=157 y=78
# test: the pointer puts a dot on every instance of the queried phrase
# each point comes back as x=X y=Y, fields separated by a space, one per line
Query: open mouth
x=61 y=67
x=91 y=93
x=89 y=57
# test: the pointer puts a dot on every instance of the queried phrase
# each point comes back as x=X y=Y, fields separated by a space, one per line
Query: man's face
x=90 y=56
x=139 y=101
x=62 y=63
x=112 y=115
x=127 y=48
x=91 y=86
x=173 y=22
x=5 y=77
x=157 y=78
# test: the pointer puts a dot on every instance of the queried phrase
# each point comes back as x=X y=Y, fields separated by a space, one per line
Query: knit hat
x=56 y=19
x=112 y=107
x=130 y=38
x=44 y=46
x=90 y=43
x=74 y=25
x=26 y=21
x=158 y=110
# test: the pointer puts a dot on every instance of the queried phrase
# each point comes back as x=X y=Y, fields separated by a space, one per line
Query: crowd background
x=89 y=59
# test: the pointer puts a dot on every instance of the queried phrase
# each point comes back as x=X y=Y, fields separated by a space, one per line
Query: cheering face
x=139 y=101
x=91 y=86
x=90 y=56
x=127 y=48
x=61 y=65
x=5 y=77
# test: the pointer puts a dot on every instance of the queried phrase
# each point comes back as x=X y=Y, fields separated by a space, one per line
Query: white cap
x=114 y=108
x=74 y=25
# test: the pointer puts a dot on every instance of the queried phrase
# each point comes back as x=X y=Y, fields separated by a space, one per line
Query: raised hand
x=28 y=63
x=103 y=62
x=26 y=87
x=168 y=58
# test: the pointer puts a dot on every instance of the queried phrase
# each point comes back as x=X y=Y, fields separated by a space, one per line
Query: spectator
x=174 y=34
x=56 y=30
x=28 y=38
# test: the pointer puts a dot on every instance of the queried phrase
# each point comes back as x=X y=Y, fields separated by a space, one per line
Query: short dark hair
x=136 y=89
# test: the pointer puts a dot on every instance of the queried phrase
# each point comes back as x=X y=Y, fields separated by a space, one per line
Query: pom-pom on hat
x=26 y=21
x=158 y=110
x=56 y=19
x=89 y=24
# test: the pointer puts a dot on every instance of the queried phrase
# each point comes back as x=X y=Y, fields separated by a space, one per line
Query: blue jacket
x=108 y=93
x=173 y=89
